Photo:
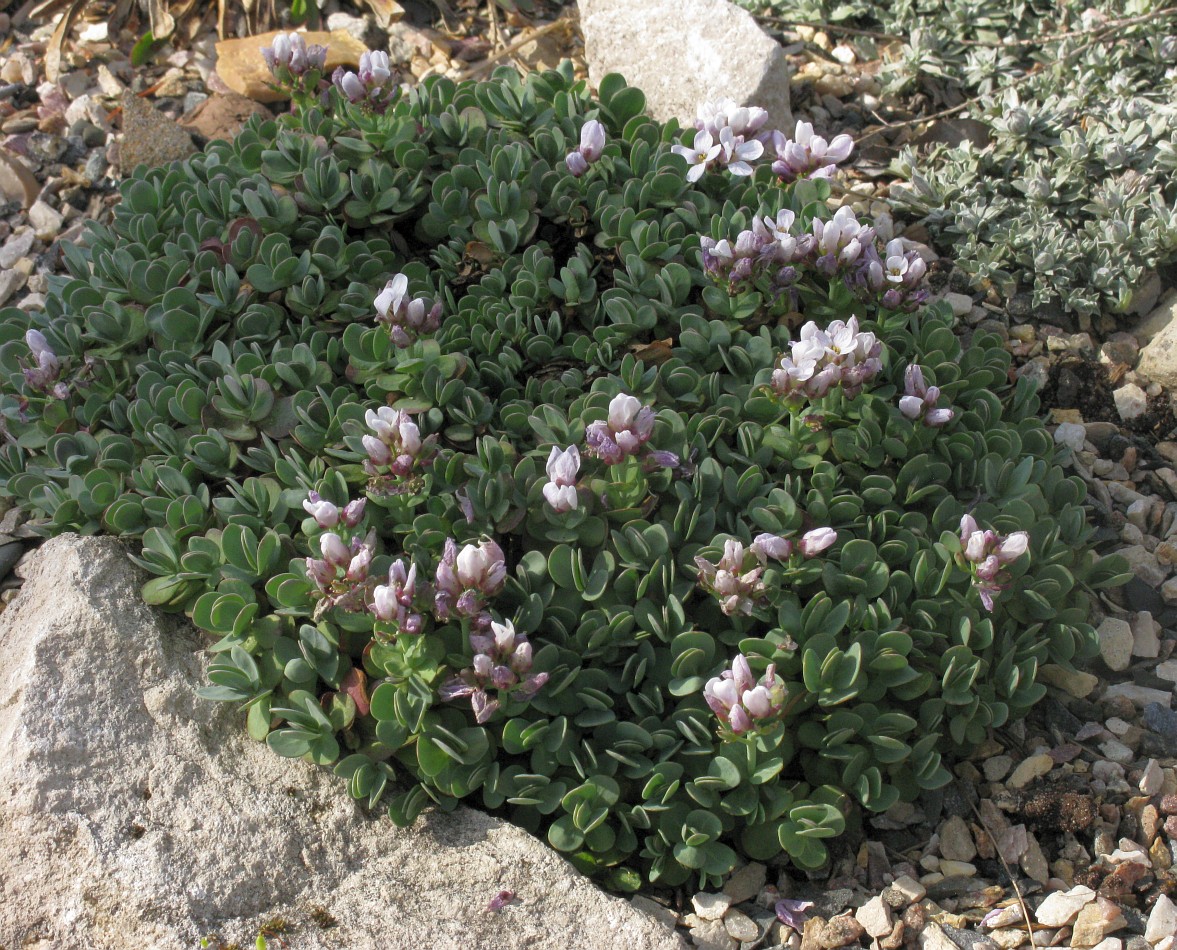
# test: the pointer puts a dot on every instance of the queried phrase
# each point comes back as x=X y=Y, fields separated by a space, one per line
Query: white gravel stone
x=1115 y=643
x=1029 y=769
x=1162 y=921
x=46 y=221
x=1145 y=635
x=16 y=247
x=956 y=841
x=711 y=906
x=1070 y=434
x=875 y=917
x=910 y=888
x=740 y=926
x=1153 y=779
x=1131 y=402
x=1059 y=908
x=1139 y=695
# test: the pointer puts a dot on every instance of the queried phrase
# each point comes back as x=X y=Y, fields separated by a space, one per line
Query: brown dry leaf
x=656 y=352
x=387 y=12
x=53 y=50
x=162 y=23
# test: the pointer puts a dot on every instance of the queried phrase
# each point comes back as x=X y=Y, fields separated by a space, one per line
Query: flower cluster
x=726 y=134
x=395 y=602
x=42 y=377
x=919 y=399
x=560 y=489
x=627 y=428
x=502 y=661
x=770 y=251
x=592 y=144
x=395 y=453
x=986 y=553
x=406 y=320
x=896 y=279
x=328 y=515
x=374 y=86
x=291 y=61
x=340 y=575
x=807 y=155
x=736 y=579
x=839 y=355
x=466 y=579
x=740 y=702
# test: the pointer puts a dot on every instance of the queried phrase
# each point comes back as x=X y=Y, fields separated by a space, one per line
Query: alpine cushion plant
x=502 y=556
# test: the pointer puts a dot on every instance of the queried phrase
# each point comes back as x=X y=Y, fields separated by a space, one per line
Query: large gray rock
x=1158 y=358
x=135 y=814
x=681 y=53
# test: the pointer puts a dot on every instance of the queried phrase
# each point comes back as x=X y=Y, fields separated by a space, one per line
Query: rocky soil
x=1062 y=829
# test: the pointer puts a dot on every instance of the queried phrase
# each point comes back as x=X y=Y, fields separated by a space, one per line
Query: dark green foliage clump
x=218 y=352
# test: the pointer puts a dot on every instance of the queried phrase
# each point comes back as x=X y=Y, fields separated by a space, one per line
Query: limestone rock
x=1158 y=359
x=683 y=54
x=136 y=814
x=240 y=63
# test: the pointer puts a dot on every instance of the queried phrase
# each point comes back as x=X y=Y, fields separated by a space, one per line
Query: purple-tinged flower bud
x=335 y=552
x=562 y=468
x=320 y=572
x=814 y=542
x=353 y=512
x=765 y=546
x=326 y=514
x=1013 y=547
x=357 y=568
x=576 y=163
x=592 y=140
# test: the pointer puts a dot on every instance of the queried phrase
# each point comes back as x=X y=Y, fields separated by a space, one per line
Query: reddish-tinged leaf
x=355 y=685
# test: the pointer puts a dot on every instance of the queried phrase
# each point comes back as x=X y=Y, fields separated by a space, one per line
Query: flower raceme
x=986 y=553
x=839 y=355
x=502 y=662
x=289 y=56
x=727 y=134
x=407 y=320
x=395 y=450
x=43 y=376
x=394 y=602
x=341 y=573
x=467 y=579
x=735 y=580
x=743 y=704
x=807 y=155
x=373 y=86
x=328 y=515
x=627 y=428
x=919 y=399
x=773 y=250
x=592 y=144
x=560 y=489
